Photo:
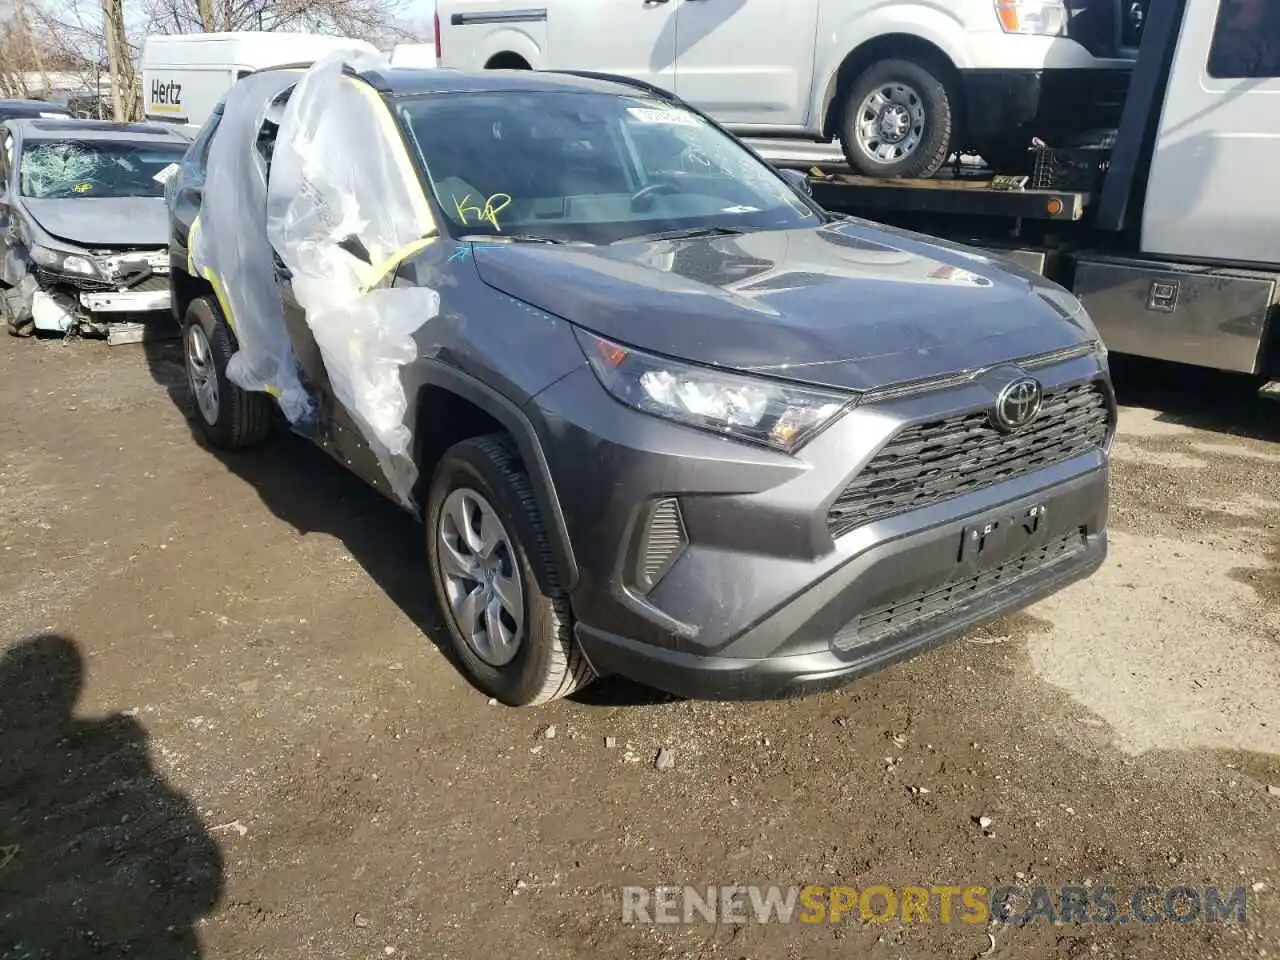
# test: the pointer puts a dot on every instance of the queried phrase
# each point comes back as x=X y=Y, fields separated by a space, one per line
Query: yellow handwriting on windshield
x=486 y=214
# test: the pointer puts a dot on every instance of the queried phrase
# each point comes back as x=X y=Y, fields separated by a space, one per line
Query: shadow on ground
x=305 y=488
x=99 y=856
x=1195 y=397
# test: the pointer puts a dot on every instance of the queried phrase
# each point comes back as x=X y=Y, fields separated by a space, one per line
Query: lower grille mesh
x=903 y=614
x=665 y=539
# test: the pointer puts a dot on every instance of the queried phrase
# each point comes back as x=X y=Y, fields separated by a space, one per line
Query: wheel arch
x=451 y=406
x=510 y=41
x=890 y=46
x=184 y=289
x=507 y=60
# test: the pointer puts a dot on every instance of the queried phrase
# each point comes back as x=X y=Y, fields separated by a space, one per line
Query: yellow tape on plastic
x=191 y=246
x=219 y=291
x=380 y=272
x=413 y=187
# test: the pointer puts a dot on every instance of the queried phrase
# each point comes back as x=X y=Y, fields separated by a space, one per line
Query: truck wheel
x=487 y=544
x=227 y=416
x=898 y=121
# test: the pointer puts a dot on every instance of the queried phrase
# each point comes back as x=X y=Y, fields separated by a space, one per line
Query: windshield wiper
x=690 y=233
x=512 y=237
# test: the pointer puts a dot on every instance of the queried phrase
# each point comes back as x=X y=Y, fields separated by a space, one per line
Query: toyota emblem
x=1017 y=405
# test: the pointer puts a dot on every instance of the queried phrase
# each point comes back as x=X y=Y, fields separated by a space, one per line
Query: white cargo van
x=185 y=75
x=901 y=83
x=414 y=56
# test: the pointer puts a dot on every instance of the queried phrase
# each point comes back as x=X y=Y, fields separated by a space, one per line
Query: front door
x=1214 y=187
x=633 y=38
x=747 y=62
x=331 y=425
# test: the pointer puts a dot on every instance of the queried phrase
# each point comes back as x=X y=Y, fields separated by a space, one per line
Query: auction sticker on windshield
x=652 y=115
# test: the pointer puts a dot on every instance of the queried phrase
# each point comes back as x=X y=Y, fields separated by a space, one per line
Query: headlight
x=779 y=415
x=65 y=262
x=1047 y=18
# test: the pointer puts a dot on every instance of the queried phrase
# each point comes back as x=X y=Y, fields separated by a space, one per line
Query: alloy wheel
x=481 y=577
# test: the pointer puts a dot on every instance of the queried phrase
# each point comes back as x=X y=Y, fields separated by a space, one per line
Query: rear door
x=185 y=191
x=747 y=62
x=8 y=272
x=634 y=38
x=1214 y=187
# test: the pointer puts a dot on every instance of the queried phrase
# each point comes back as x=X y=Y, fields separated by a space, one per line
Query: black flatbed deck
x=966 y=194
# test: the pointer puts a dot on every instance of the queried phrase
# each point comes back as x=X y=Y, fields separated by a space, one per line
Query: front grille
x=936 y=461
x=902 y=614
x=47 y=278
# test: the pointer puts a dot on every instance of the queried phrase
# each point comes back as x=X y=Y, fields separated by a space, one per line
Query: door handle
x=654 y=3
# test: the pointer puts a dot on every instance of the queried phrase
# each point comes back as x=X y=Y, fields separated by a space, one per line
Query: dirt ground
x=225 y=732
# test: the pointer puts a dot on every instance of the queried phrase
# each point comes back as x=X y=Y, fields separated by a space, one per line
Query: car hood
x=847 y=305
x=103 y=222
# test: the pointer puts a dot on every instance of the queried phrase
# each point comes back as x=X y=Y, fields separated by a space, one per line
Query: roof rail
x=296 y=65
x=644 y=85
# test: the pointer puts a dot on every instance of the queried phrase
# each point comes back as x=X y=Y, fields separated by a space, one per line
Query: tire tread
x=923 y=163
x=248 y=413
x=568 y=668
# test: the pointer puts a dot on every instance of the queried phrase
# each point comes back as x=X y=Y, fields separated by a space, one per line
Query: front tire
x=487 y=546
x=899 y=120
x=227 y=416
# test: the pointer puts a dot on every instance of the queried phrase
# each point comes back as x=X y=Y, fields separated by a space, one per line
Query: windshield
x=592 y=167
x=63 y=169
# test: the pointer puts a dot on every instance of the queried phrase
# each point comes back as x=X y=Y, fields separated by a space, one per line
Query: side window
x=211 y=127
x=197 y=156
x=1246 y=40
x=270 y=129
x=266 y=142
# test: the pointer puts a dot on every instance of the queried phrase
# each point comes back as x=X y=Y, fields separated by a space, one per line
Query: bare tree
x=381 y=21
x=33 y=54
x=124 y=82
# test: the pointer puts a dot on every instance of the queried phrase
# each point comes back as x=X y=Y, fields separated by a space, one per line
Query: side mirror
x=799 y=181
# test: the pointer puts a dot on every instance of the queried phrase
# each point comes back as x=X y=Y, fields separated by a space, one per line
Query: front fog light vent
x=663 y=541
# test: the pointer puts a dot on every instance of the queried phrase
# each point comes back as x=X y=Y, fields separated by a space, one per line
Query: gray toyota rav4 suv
x=671 y=420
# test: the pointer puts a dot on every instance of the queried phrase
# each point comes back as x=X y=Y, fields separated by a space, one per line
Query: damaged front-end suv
x=83 y=223
x=661 y=415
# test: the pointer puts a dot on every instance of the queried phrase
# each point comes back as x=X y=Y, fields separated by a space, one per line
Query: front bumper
x=937 y=604
x=127 y=301
x=764 y=600
x=1050 y=104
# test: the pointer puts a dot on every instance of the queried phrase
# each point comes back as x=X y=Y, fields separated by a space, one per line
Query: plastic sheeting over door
x=343 y=205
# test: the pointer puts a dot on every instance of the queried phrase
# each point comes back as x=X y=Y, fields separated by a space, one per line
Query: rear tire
x=16 y=328
x=481 y=480
x=227 y=416
x=898 y=120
